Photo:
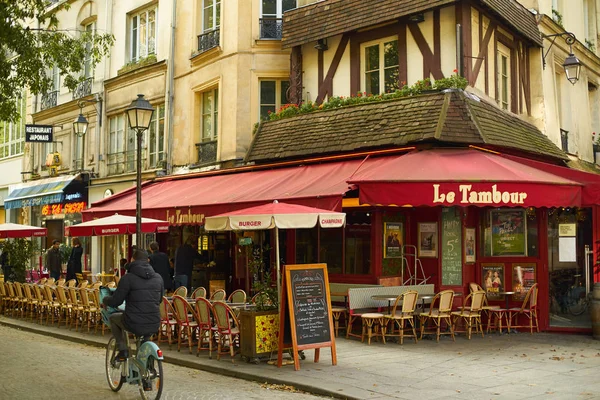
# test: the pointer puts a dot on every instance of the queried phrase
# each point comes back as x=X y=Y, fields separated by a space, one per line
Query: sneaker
x=122 y=355
x=147 y=385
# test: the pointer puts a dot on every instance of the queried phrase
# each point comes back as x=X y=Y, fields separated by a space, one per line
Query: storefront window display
x=509 y=232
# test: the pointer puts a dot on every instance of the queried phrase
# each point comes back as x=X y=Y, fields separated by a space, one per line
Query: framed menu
x=428 y=239
x=523 y=278
x=509 y=229
x=492 y=280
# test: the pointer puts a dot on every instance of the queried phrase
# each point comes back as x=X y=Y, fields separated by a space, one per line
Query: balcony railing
x=207 y=152
x=83 y=89
x=49 y=100
x=208 y=40
x=121 y=162
x=271 y=28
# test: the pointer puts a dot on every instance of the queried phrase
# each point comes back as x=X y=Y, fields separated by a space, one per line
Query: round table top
x=385 y=296
x=505 y=293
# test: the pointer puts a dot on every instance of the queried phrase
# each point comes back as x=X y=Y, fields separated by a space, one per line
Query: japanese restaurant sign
x=508 y=232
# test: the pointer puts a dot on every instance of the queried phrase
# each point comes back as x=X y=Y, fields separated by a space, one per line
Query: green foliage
x=454 y=81
x=20 y=251
x=151 y=59
x=262 y=281
x=31 y=43
x=590 y=45
x=557 y=17
x=65 y=253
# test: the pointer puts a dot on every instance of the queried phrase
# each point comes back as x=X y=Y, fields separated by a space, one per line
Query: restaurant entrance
x=569 y=261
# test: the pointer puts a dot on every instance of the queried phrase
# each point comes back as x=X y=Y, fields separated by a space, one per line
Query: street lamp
x=139 y=114
x=80 y=125
x=572 y=65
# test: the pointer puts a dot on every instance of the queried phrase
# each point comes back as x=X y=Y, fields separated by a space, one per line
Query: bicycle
x=577 y=300
x=143 y=366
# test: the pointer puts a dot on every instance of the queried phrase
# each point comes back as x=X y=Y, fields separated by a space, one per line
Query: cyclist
x=142 y=290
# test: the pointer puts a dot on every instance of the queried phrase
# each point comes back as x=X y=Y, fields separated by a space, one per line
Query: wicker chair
x=32 y=302
x=238 y=296
x=96 y=285
x=61 y=282
x=76 y=308
x=65 y=306
x=42 y=307
x=471 y=314
x=20 y=301
x=89 y=312
x=49 y=281
x=186 y=322
x=206 y=330
x=199 y=292
x=228 y=329
x=218 y=295
x=444 y=301
x=181 y=291
x=53 y=307
x=530 y=312
x=83 y=284
x=95 y=296
x=167 y=322
x=398 y=318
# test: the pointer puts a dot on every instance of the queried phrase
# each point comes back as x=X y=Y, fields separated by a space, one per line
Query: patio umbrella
x=10 y=230
x=116 y=225
x=275 y=216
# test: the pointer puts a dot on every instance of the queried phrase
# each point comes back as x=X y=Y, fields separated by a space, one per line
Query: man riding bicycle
x=142 y=290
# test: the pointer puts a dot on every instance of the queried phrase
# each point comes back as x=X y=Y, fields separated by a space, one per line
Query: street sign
x=39 y=133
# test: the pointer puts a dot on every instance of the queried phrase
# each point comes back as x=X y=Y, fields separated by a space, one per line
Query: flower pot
x=259 y=334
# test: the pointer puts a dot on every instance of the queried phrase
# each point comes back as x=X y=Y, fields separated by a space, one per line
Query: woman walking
x=74 y=263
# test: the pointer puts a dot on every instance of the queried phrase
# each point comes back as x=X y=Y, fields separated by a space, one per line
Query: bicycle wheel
x=577 y=307
x=155 y=379
x=113 y=369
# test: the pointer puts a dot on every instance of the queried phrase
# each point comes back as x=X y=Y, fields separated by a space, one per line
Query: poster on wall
x=470 y=245
x=428 y=239
x=493 y=280
x=523 y=278
x=508 y=232
x=392 y=236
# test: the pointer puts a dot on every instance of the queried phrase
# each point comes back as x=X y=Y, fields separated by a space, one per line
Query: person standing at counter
x=160 y=264
x=185 y=257
x=74 y=263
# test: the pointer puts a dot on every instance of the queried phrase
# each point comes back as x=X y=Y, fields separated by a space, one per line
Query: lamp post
x=572 y=65
x=139 y=114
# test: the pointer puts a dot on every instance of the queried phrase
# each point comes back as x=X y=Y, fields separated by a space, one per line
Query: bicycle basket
x=106 y=312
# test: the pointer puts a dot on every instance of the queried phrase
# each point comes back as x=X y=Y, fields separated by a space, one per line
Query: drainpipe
x=171 y=89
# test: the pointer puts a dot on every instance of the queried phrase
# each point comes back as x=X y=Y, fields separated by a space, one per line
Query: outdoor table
x=341 y=294
x=506 y=294
x=388 y=297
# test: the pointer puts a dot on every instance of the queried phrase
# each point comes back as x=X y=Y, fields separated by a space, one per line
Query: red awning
x=462 y=177
x=188 y=201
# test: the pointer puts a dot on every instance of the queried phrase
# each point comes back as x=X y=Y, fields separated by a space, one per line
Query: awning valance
x=189 y=200
x=463 y=177
x=39 y=192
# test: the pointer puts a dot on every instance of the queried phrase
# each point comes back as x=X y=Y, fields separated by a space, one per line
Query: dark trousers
x=182 y=280
x=118 y=330
x=55 y=274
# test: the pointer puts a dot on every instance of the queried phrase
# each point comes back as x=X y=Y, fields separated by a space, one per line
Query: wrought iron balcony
x=271 y=28
x=49 y=100
x=207 y=152
x=83 y=89
x=122 y=162
x=208 y=40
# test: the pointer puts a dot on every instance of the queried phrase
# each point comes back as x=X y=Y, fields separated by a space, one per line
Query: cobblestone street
x=39 y=367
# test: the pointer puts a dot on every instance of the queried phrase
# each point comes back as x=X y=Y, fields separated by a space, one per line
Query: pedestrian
x=74 y=263
x=54 y=260
x=6 y=269
x=185 y=257
x=160 y=263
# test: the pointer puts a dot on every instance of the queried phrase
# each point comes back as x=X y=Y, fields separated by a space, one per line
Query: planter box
x=259 y=334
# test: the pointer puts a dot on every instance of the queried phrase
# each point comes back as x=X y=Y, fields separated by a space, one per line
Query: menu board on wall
x=508 y=232
x=451 y=247
x=305 y=289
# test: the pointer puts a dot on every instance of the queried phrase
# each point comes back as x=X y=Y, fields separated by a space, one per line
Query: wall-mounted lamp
x=321 y=45
x=80 y=124
x=416 y=18
x=572 y=65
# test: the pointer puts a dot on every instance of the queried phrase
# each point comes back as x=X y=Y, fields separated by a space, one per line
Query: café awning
x=38 y=192
x=187 y=200
x=463 y=177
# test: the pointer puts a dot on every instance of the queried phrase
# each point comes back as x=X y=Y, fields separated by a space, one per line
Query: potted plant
x=259 y=327
x=20 y=251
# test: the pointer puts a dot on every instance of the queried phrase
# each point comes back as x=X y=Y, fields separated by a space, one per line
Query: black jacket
x=160 y=263
x=54 y=260
x=142 y=290
x=74 y=263
x=185 y=257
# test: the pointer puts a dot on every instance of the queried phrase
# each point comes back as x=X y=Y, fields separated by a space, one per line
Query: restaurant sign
x=180 y=217
x=466 y=195
x=38 y=133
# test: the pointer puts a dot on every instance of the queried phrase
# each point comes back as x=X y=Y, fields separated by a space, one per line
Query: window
x=156 y=137
x=87 y=61
x=211 y=15
x=121 y=146
x=143 y=34
x=380 y=66
x=210 y=113
x=504 y=78
x=12 y=134
x=272 y=13
x=358 y=243
x=273 y=94
x=509 y=232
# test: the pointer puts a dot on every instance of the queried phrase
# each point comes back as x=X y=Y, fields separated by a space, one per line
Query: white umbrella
x=275 y=216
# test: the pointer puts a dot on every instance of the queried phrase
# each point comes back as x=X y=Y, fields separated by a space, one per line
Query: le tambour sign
x=39 y=133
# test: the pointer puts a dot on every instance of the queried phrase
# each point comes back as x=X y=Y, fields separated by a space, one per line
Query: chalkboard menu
x=451 y=247
x=306 y=292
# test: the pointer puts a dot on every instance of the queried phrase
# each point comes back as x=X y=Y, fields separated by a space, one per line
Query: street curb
x=175 y=360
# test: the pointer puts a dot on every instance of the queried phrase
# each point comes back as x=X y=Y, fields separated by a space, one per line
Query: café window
x=380 y=66
x=307 y=243
x=509 y=232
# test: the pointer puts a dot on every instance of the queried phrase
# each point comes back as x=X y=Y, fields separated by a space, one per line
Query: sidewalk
x=515 y=366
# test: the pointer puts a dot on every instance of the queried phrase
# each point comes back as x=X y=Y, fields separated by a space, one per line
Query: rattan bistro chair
x=181 y=291
x=470 y=314
x=237 y=296
x=186 y=321
x=218 y=295
x=530 y=312
x=206 y=329
x=444 y=301
x=398 y=318
x=228 y=329
x=199 y=292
